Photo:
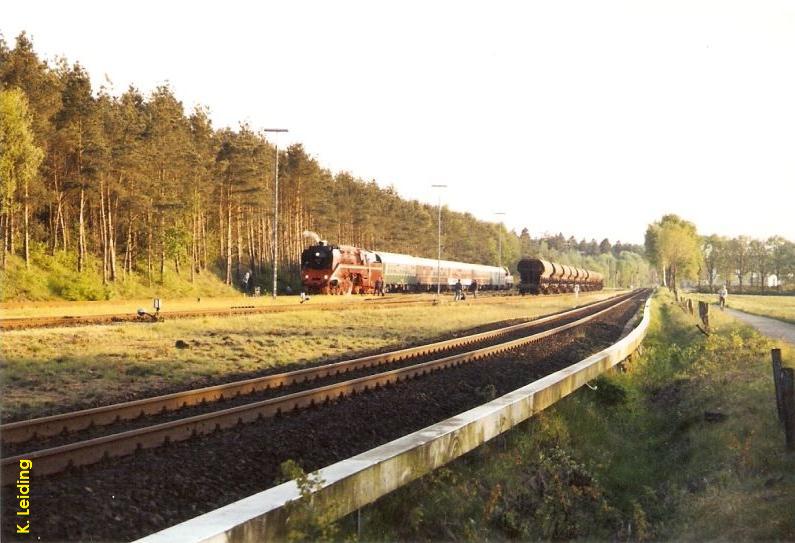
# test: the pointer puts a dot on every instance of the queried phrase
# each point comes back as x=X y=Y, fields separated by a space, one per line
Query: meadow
x=55 y=370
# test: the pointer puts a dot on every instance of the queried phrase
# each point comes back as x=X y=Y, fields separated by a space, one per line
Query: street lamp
x=439 y=255
x=275 y=209
x=499 y=245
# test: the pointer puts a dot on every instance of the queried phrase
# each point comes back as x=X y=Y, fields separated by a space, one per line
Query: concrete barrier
x=353 y=483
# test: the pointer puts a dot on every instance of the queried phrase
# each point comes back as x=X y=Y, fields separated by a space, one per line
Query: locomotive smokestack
x=312 y=235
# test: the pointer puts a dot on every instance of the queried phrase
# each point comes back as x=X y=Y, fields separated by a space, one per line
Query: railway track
x=58 y=458
x=23 y=323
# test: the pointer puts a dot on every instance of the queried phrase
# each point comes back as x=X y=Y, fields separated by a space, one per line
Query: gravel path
x=770 y=327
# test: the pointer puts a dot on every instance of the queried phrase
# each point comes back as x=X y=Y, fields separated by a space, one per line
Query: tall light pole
x=499 y=244
x=439 y=255
x=275 y=209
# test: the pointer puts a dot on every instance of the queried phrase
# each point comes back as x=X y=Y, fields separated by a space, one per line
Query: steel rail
x=87 y=452
x=358 y=481
x=21 y=431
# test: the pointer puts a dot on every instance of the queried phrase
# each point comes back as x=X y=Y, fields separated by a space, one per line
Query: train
x=543 y=277
x=345 y=269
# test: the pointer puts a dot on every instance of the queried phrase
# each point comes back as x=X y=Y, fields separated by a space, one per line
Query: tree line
x=674 y=246
x=134 y=185
x=139 y=184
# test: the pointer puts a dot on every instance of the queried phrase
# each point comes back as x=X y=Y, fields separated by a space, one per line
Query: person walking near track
x=723 y=295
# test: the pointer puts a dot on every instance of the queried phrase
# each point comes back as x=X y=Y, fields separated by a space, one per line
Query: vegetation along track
x=24 y=323
x=129 y=497
x=57 y=458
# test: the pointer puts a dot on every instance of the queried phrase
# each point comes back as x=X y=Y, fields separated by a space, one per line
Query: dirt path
x=770 y=327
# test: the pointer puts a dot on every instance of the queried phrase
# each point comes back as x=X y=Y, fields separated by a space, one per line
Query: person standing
x=723 y=294
x=244 y=284
x=457 y=288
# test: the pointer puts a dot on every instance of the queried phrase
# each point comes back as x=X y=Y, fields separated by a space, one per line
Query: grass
x=54 y=278
x=776 y=307
x=52 y=370
x=636 y=459
x=104 y=307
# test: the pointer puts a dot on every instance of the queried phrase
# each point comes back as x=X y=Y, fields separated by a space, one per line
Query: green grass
x=49 y=370
x=777 y=307
x=55 y=278
x=634 y=460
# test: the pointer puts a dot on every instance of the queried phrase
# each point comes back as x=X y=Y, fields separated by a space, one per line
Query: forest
x=134 y=188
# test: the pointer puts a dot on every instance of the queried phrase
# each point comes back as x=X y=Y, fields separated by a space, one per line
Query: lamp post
x=499 y=244
x=275 y=209
x=439 y=255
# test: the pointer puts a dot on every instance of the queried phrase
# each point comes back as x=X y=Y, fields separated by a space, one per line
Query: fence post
x=775 y=354
x=703 y=312
x=788 y=397
x=690 y=306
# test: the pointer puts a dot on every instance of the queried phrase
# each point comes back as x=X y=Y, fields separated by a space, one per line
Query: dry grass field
x=54 y=370
x=61 y=308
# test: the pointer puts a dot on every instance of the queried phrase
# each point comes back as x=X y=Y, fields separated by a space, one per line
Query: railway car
x=543 y=277
x=344 y=269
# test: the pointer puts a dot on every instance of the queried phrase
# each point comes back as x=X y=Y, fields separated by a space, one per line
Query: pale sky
x=590 y=118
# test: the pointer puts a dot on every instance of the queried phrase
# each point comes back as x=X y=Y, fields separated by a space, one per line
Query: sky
x=588 y=118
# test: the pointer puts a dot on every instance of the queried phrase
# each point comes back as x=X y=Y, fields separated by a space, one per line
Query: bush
x=609 y=392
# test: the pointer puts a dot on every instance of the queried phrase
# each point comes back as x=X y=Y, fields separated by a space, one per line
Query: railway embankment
x=683 y=446
x=153 y=489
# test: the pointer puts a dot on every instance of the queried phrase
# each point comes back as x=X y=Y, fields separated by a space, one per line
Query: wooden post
x=788 y=397
x=703 y=312
x=776 y=356
x=690 y=306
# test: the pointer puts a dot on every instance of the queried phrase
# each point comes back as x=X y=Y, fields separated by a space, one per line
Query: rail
x=353 y=483
x=21 y=431
x=56 y=459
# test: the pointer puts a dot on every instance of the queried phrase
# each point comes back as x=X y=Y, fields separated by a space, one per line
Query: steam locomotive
x=344 y=269
x=543 y=277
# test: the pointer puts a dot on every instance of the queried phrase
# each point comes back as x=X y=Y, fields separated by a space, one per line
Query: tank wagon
x=544 y=277
x=345 y=269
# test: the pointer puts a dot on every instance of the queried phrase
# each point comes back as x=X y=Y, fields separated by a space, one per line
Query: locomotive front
x=339 y=269
x=317 y=266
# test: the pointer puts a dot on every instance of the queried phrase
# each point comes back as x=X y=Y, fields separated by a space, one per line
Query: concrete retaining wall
x=350 y=484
